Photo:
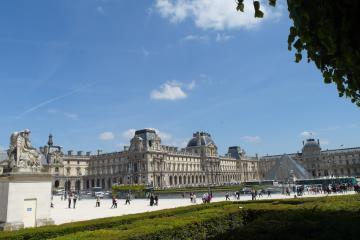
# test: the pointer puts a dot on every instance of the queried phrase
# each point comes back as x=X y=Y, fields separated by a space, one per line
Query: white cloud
x=169 y=91
x=214 y=14
x=222 y=37
x=128 y=134
x=307 y=134
x=165 y=137
x=252 y=139
x=195 y=38
x=106 y=136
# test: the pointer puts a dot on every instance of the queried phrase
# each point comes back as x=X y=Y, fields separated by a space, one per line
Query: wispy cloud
x=144 y=51
x=222 y=37
x=170 y=90
x=195 y=38
x=191 y=85
x=251 y=139
x=106 y=136
x=100 y=10
x=51 y=100
x=307 y=134
x=324 y=142
x=69 y=115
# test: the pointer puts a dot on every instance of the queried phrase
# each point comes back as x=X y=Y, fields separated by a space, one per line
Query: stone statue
x=21 y=153
x=56 y=157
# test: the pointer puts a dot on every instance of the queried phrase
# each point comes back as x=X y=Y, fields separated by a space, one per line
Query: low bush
x=305 y=218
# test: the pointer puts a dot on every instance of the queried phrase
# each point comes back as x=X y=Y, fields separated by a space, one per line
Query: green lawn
x=305 y=218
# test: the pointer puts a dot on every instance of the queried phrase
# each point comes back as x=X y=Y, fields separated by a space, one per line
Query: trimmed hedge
x=304 y=218
x=47 y=232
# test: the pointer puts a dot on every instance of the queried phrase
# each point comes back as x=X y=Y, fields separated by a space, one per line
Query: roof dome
x=311 y=143
x=200 y=139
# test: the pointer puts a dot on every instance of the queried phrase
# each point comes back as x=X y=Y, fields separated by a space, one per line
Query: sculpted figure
x=21 y=153
x=56 y=157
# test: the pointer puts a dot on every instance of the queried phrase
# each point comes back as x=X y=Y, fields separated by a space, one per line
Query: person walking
x=253 y=196
x=227 y=196
x=156 y=200
x=152 y=200
x=97 y=201
x=127 y=201
x=74 y=200
x=237 y=195
x=69 y=200
x=114 y=202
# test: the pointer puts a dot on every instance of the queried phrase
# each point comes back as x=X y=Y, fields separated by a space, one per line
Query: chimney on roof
x=70 y=152
x=88 y=153
x=79 y=153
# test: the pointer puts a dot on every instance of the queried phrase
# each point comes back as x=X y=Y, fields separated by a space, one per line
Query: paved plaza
x=85 y=209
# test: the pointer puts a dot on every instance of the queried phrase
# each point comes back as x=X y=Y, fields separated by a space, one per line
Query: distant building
x=319 y=163
x=147 y=161
x=68 y=169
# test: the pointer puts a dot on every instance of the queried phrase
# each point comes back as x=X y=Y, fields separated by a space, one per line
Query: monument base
x=25 y=200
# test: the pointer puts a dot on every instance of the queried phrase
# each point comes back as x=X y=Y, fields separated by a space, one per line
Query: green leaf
x=256 y=5
x=240 y=5
x=298 y=57
x=259 y=14
x=272 y=3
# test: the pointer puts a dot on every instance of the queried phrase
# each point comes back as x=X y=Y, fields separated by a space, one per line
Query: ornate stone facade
x=68 y=169
x=147 y=161
x=320 y=163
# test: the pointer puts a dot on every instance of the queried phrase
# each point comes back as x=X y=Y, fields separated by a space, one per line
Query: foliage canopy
x=327 y=32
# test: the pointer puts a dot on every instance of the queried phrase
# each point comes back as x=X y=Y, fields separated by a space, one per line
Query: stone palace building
x=147 y=161
x=319 y=163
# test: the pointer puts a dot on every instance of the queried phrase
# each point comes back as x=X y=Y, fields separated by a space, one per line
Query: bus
x=327 y=181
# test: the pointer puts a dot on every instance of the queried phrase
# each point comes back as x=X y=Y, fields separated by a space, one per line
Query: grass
x=335 y=217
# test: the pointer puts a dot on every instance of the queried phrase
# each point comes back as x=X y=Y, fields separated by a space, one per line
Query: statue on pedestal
x=21 y=153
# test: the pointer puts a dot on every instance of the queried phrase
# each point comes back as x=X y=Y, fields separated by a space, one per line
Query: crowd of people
x=326 y=189
x=72 y=197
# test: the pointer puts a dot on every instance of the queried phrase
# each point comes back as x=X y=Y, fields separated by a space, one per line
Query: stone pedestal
x=25 y=200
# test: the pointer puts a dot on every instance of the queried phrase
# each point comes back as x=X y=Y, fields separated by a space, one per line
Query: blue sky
x=92 y=71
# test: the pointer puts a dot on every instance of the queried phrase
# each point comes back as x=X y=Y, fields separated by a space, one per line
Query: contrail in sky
x=40 y=105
